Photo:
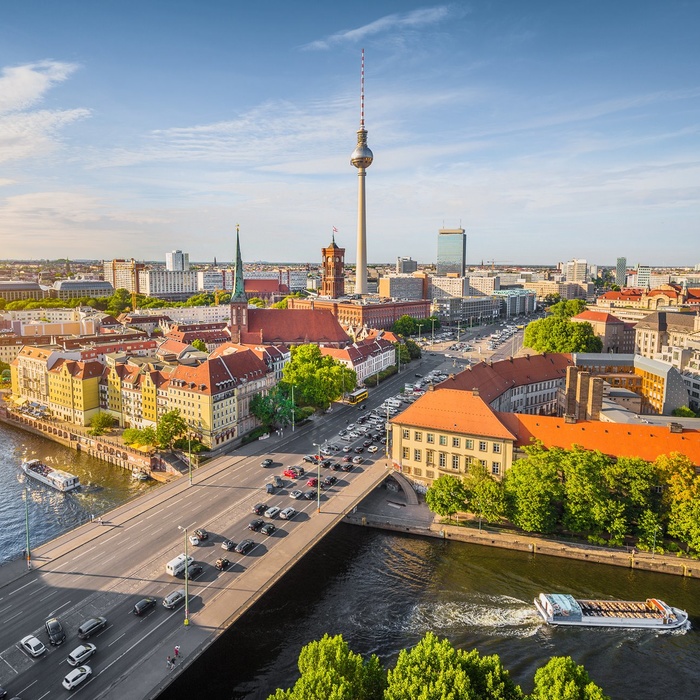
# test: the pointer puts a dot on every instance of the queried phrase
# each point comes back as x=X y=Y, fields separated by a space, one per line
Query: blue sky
x=549 y=130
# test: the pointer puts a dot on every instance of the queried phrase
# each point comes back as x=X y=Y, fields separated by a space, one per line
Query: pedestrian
x=99 y=520
x=177 y=650
x=170 y=664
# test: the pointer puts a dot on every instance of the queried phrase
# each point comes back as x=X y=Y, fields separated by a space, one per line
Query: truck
x=176 y=566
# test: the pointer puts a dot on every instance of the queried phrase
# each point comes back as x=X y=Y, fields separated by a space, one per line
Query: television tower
x=361 y=158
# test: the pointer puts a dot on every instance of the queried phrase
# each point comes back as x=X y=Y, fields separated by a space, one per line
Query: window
x=417 y=455
x=417 y=472
x=482 y=462
x=429 y=457
x=417 y=436
x=455 y=442
x=405 y=453
x=430 y=437
x=406 y=433
x=495 y=468
x=430 y=474
x=497 y=448
x=455 y=462
x=469 y=444
x=443 y=440
x=442 y=461
x=482 y=446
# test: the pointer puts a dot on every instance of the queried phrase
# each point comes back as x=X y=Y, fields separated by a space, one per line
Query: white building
x=177 y=261
x=484 y=285
x=168 y=284
x=443 y=287
x=576 y=271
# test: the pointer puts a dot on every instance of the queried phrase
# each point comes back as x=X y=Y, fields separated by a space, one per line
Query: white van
x=177 y=565
x=393 y=403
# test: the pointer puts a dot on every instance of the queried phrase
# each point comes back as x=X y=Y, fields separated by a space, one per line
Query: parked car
x=330 y=480
x=313 y=481
x=266 y=462
x=259 y=508
x=255 y=525
x=277 y=481
x=194 y=569
x=359 y=450
x=55 y=631
x=194 y=540
x=268 y=528
x=357 y=460
x=336 y=466
x=245 y=546
x=76 y=677
x=372 y=449
x=348 y=467
x=32 y=645
x=311 y=458
x=272 y=512
x=201 y=533
x=144 y=605
x=81 y=653
x=288 y=514
x=295 y=494
x=222 y=564
x=228 y=545
x=310 y=495
x=91 y=626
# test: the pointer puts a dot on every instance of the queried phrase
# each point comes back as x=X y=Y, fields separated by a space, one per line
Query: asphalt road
x=105 y=569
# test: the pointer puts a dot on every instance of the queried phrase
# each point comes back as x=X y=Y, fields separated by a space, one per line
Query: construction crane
x=500 y=262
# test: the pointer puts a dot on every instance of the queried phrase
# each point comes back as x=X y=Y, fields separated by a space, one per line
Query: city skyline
x=546 y=133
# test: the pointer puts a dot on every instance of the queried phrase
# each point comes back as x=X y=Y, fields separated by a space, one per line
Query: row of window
x=443 y=458
x=456 y=441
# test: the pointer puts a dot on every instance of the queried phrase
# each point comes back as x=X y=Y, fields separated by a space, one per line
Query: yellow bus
x=358 y=396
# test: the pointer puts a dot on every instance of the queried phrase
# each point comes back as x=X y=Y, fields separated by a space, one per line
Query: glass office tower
x=452 y=252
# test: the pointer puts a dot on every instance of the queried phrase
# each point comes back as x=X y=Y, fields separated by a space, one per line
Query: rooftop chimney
x=675 y=427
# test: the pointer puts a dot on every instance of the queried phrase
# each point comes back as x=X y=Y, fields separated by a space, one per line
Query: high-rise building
x=333 y=284
x=123 y=274
x=643 y=276
x=405 y=266
x=361 y=158
x=452 y=252
x=621 y=272
x=576 y=271
x=177 y=261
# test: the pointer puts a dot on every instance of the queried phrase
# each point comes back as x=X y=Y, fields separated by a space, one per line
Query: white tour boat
x=55 y=478
x=564 y=609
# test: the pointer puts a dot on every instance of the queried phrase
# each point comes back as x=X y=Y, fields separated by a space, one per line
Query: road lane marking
x=117 y=639
x=48 y=596
x=21 y=692
x=48 y=692
x=152 y=515
x=14 y=670
x=82 y=554
x=7 y=608
x=21 y=587
x=53 y=612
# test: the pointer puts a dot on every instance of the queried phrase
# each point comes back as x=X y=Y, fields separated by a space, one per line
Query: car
x=348 y=467
x=313 y=481
x=272 y=512
x=194 y=569
x=55 y=631
x=347 y=458
x=336 y=466
x=81 y=653
x=144 y=605
x=330 y=480
x=76 y=677
x=269 y=488
x=194 y=540
x=288 y=514
x=326 y=463
x=222 y=564
x=259 y=508
x=311 y=458
x=357 y=460
x=172 y=600
x=372 y=449
x=228 y=545
x=266 y=463
x=310 y=495
x=245 y=546
x=359 y=450
x=32 y=645
x=354 y=435
x=276 y=481
x=201 y=533
x=367 y=443
x=342 y=432
x=351 y=426
x=290 y=473
x=91 y=626
x=268 y=528
x=296 y=494
x=255 y=525
x=420 y=376
x=347 y=448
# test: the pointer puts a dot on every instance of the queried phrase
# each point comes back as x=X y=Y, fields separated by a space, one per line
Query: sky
x=547 y=130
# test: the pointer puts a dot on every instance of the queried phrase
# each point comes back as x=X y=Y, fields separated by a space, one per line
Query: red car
x=313 y=481
x=290 y=473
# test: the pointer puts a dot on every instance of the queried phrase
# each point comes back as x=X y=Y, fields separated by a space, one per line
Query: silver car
x=80 y=654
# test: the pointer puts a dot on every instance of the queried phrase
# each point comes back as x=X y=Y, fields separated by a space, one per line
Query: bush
x=253 y=435
x=388 y=372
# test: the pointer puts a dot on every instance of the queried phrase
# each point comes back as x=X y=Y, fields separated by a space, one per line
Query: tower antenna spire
x=362 y=91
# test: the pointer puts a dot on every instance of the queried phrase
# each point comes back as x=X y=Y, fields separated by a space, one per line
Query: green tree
x=171 y=426
x=485 y=496
x=534 y=490
x=331 y=671
x=405 y=326
x=413 y=349
x=683 y=412
x=563 y=679
x=650 y=532
x=402 y=354
x=433 y=323
x=199 y=344
x=119 y=302
x=558 y=334
x=568 y=308
x=100 y=423
x=446 y=495
x=681 y=498
x=435 y=670
x=274 y=408
x=257 y=301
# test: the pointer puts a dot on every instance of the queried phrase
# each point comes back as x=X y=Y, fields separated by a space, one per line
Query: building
x=451 y=252
x=643 y=276
x=79 y=289
x=621 y=272
x=405 y=266
x=74 y=394
x=367 y=357
x=16 y=291
x=211 y=334
x=666 y=295
x=577 y=271
x=662 y=328
x=361 y=159
x=487 y=284
x=177 y=285
x=275 y=357
x=333 y=271
x=123 y=274
x=177 y=261
x=443 y=287
x=404 y=286
x=616 y=335
x=467 y=311
x=565 y=290
x=516 y=302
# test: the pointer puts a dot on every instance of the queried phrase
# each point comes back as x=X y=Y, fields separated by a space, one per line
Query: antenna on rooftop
x=362 y=91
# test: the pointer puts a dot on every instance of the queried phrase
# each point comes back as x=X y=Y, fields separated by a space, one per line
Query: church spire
x=238 y=284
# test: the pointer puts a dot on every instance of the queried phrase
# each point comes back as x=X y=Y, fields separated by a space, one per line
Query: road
x=104 y=569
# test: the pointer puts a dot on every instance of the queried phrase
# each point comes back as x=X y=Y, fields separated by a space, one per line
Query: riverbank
x=390 y=510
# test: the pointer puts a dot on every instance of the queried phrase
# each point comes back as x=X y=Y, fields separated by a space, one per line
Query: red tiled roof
x=597 y=316
x=263 y=286
x=78 y=369
x=455 y=412
x=494 y=379
x=616 y=439
x=293 y=327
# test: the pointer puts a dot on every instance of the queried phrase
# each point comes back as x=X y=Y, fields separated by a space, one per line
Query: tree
x=402 y=354
x=563 y=679
x=558 y=334
x=330 y=670
x=200 y=345
x=405 y=326
x=435 y=670
x=433 y=323
x=681 y=498
x=446 y=495
x=683 y=412
x=274 y=408
x=257 y=301
x=485 y=496
x=100 y=423
x=568 y=308
x=145 y=437
x=413 y=349
x=171 y=426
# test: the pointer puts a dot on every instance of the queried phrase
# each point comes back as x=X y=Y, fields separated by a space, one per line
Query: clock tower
x=333 y=284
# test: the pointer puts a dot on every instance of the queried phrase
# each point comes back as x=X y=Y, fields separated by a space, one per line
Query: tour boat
x=55 y=478
x=564 y=609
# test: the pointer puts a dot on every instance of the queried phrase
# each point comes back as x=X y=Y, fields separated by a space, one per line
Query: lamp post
x=25 y=495
x=420 y=325
x=432 y=331
x=189 y=449
x=318 y=478
x=187 y=578
x=293 y=411
x=388 y=433
x=653 y=547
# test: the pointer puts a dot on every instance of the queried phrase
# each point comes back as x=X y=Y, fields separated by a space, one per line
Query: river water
x=52 y=513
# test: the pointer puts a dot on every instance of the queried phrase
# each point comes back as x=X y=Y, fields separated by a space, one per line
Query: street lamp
x=388 y=433
x=189 y=449
x=293 y=411
x=432 y=331
x=420 y=325
x=653 y=547
x=25 y=496
x=187 y=578
x=318 y=478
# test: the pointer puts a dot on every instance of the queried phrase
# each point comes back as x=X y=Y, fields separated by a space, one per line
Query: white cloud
x=390 y=23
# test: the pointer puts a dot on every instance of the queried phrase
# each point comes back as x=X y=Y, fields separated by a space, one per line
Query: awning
x=20 y=401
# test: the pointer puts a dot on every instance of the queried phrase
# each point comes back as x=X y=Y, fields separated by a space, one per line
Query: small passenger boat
x=55 y=478
x=564 y=609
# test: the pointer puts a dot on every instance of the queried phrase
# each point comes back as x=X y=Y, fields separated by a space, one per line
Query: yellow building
x=74 y=394
x=447 y=431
